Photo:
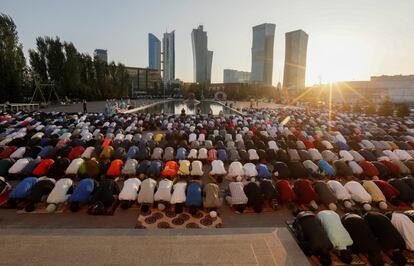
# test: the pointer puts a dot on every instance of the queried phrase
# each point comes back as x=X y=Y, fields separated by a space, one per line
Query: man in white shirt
x=178 y=197
x=59 y=194
x=337 y=233
x=250 y=170
x=129 y=192
x=235 y=169
x=359 y=194
x=146 y=194
x=217 y=170
x=197 y=168
x=405 y=227
x=340 y=192
x=163 y=194
x=236 y=197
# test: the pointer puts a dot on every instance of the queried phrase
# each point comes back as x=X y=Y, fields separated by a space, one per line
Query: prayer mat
x=265 y=208
x=4 y=197
x=156 y=219
x=40 y=207
x=109 y=211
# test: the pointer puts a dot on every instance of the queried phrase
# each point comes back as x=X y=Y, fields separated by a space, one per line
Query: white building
x=168 y=47
x=262 y=53
x=397 y=88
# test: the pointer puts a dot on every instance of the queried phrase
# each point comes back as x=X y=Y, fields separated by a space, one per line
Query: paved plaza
x=252 y=246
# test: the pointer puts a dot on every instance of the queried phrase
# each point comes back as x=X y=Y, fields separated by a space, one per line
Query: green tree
x=357 y=108
x=403 y=109
x=371 y=109
x=12 y=62
x=386 y=108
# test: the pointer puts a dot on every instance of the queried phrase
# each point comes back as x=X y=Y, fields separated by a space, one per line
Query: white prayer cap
x=332 y=206
x=383 y=205
x=213 y=214
x=366 y=206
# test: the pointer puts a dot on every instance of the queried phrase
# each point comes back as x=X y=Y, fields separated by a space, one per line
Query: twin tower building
x=295 y=57
x=202 y=57
x=262 y=56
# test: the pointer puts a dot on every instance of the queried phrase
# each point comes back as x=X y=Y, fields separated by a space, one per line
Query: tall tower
x=202 y=57
x=168 y=47
x=295 y=60
x=101 y=54
x=154 y=52
x=262 y=53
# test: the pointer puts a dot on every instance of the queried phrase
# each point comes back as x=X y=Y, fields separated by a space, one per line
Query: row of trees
x=73 y=74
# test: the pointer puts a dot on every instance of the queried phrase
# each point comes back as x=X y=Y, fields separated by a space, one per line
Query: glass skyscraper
x=262 y=53
x=202 y=57
x=154 y=52
x=168 y=47
x=102 y=54
x=295 y=60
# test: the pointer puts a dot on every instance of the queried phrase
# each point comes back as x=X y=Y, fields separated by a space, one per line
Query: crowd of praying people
x=347 y=178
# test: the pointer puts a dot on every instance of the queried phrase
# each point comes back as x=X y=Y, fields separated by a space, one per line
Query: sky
x=348 y=40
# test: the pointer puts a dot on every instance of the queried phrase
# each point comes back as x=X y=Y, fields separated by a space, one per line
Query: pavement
x=252 y=246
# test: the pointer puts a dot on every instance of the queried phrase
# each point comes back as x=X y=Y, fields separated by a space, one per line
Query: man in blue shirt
x=155 y=169
x=181 y=153
x=222 y=155
x=194 y=198
x=22 y=190
x=82 y=193
x=263 y=171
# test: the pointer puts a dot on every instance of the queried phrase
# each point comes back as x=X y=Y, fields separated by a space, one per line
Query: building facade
x=235 y=76
x=202 y=57
x=262 y=54
x=154 y=52
x=295 y=60
x=399 y=89
x=168 y=46
x=144 y=81
x=101 y=54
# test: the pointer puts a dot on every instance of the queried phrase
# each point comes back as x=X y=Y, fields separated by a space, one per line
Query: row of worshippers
x=100 y=195
x=326 y=232
x=310 y=193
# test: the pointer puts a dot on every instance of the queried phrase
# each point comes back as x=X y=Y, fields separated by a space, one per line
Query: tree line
x=57 y=63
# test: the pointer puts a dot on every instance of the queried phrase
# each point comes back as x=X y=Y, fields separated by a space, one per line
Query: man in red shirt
x=306 y=194
x=389 y=191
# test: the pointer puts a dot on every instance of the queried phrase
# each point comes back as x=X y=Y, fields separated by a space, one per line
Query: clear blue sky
x=348 y=40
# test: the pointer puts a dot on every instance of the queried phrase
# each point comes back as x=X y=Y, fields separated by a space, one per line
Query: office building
x=154 y=52
x=144 y=81
x=101 y=54
x=295 y=60
x=235 y=76
x=262 y=54
x=168 y=47
x=202 y=57
x=398 y=88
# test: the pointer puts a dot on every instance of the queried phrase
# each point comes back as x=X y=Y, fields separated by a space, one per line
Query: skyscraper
x=168 y=47
x=202 y=57
x=154 y=52
x=295 y=60
x=262 y=53
x=101 y=54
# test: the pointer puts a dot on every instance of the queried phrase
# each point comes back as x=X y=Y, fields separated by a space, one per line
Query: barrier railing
x=16 y=107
